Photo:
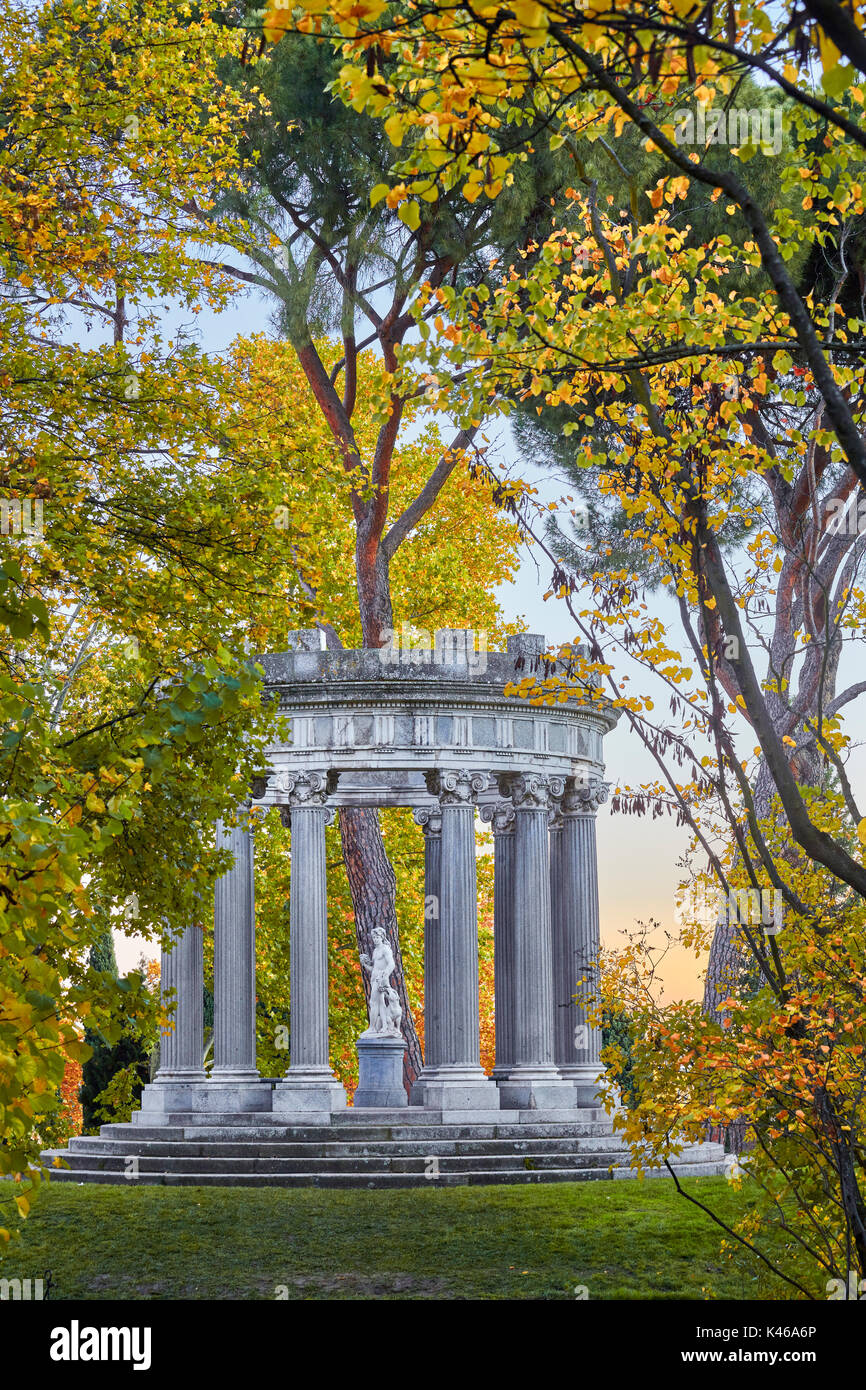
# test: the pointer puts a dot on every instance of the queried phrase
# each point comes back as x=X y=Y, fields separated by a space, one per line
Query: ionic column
x=235 y=962
x=533 y=1082
x=182 y=969
x=501 y=818
x=431 y=823
x=309 y=1084
x=557 y=907
x=456 y=1081
x=577 y=941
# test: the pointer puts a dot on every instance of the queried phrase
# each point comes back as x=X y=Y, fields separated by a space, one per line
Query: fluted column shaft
x=308 y=959
x=557 y=909
x=533 y=1033
x=235 y=961
x=309 y=1084
x=431 y=822
x=577 y=1041
x=458 y=1040
x=452 y=1078
x=181 y=1051
x=501 y=818
x=532 y=1081
x=577 y=940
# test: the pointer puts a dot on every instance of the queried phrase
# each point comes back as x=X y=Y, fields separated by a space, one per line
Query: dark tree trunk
x=371 y=878
x=373 y=887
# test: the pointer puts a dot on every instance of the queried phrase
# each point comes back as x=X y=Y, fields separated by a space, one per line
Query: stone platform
x=374 y=1148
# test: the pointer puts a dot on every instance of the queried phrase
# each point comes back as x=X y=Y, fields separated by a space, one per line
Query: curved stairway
x=384 y=1148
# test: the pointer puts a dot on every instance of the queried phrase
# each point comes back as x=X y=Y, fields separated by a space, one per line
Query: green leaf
x=410 y=213
x=782 y=363
x=837 y=79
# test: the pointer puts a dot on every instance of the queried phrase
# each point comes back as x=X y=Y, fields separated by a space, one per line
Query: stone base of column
x=536 y=1088
x=237 y=1091
x=167 y=1094
x=589 y=1080
x=308 y=1091
x=454 y=1088
x=380 y=1073
x=162 y=1098
x=235 y=1076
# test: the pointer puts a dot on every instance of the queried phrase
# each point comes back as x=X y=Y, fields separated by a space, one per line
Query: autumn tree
x=655 y=353
x=130 y=718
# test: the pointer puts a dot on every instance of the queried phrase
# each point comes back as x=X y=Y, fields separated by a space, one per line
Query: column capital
x=500 y=816
x=302 y=789
x=455 y=788
x=430 y=820
x=583 y=798
x=530 y=792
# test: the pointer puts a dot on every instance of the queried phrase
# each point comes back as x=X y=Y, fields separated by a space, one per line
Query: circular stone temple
x=431 y=728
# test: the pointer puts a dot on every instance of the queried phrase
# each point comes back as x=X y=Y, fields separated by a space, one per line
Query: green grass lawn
x=619 y=1239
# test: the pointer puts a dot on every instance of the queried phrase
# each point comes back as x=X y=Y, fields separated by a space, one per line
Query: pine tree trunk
x=371 y=878
x=373 y=887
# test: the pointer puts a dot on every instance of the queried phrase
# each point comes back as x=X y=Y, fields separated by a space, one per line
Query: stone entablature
x=383 y=723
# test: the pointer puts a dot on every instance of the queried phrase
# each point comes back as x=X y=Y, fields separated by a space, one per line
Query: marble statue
x=385 y=1011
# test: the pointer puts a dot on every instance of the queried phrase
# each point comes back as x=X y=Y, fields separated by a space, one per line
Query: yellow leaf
x=275 y=24
x=394 y=129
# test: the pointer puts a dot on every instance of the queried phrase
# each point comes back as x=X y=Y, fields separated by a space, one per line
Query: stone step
x=235 y=1148
x=323 y=1134
x=250 y=1160
x=379 y=1179
x=394 y=1163
x=394 y=1152
x=412 y=1116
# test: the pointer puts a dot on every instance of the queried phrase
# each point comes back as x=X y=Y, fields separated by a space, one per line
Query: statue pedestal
x=380 y=1072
